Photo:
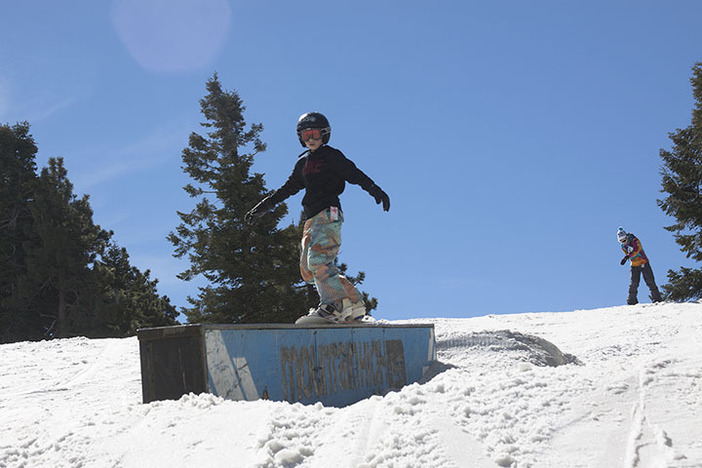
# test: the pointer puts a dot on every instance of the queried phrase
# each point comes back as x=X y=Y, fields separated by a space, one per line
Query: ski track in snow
x=633 y=401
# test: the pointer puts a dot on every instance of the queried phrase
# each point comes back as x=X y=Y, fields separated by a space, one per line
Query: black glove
x=626 y=257
x=258 y=211
x=380 y=197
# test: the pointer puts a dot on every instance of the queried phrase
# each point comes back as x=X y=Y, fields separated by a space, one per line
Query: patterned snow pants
x=321 y=240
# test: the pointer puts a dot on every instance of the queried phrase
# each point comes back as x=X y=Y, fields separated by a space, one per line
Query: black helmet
x=313 y=120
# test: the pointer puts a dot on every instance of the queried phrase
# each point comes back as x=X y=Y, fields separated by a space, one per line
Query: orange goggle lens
x=311 y=133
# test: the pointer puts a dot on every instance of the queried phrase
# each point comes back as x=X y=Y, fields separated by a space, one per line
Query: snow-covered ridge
x=628 y=395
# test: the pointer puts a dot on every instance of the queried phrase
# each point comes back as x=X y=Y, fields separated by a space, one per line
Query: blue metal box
x=337 y=365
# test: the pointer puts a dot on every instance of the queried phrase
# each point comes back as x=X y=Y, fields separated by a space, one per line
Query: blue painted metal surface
x=336 y=365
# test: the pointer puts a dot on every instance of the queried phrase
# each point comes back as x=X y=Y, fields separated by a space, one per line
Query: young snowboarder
x=633 y=251
x=323 y=171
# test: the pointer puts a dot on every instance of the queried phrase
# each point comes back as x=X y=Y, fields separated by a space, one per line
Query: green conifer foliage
x=60 y=274
x=17 y=181
x=682 y=182
x=128 y=297
x=252 y=271
x=66 y=245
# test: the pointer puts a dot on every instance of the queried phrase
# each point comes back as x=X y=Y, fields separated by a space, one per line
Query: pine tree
x=17 y=182
x=128 y=298
x=252 y=270
x=60 y=274
x=79 y=281
x=66 y=245
x=682 y=181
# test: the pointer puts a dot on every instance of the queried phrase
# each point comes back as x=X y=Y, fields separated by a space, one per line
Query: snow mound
x=520 y=346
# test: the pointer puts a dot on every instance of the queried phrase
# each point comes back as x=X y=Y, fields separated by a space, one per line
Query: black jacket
x=323 y=174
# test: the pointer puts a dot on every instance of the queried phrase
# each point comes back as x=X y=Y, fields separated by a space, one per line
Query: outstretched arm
x=291 y=187
x=354 y=175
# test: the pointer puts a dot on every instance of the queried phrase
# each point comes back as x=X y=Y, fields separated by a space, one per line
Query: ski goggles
x=311 y=134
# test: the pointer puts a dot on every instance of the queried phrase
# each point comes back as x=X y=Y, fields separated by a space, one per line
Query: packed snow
x=628 y=394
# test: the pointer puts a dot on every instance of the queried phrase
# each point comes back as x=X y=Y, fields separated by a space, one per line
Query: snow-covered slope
x=633 y=398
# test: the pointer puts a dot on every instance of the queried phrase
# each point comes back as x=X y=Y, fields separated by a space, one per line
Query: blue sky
x=512 y=137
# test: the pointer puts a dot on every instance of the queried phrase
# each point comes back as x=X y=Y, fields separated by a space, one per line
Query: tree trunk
x=61 y=309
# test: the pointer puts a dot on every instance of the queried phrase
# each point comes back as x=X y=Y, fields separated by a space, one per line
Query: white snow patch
x=631 y=397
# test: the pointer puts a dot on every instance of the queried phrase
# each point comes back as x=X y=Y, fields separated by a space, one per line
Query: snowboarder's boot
x=341 y=312
x=324 y=314
x=353 y=311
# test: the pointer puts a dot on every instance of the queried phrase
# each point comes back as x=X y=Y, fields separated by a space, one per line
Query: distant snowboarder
x=323 y=171
x=633 y=251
